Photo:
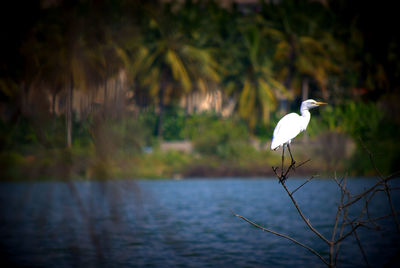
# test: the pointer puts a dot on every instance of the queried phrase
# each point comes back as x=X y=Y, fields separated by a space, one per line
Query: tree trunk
x=68 y=116
x=105 y=103
x=161 y=104
x=159 y=129
x=304 y=96
x=289 y=77
x=53 y=104
x=304 y=89
x=187 y=111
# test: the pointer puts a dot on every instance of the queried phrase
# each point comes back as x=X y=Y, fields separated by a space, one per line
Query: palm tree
x=47 y=66
x=65 y=57
x=305 y=52
x=169 y=64
x=251 y=79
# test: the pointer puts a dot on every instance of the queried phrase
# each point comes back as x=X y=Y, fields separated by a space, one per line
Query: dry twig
x=342 y=214
x=282 y=235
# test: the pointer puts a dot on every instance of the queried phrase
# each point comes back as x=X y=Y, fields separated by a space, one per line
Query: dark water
x=185 y=223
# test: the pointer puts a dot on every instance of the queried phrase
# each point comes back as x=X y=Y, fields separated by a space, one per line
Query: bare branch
x=371 y=158
x=376 y=219
x=342 y=219
x=282 y=235
x=394 y=174
x=338 y=212
x=309 y=179
x=345 y=213
x=344 y=190
x=339 y=209
x=284 y=175
x=366 y=208
x=303 y=163
x=307 y=222
x=389 y=196
x=372 y=188
x=384 y=180
x=361 y=248
x=282 y=179
x=355 y=226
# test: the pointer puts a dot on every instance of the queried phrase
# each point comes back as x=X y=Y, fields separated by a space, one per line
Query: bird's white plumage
x=287 y=128
x=292 y=124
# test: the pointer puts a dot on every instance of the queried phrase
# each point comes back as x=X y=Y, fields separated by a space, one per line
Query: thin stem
x=299 y=165
x=361 y=248
x=282 y=235
x=345 y=213
x=367 y=201
x=307 y=222
x=384 y=180
x=376 y=219
x=309 y=179
x=338 y=212
x=342 y=188
x=371 y=158
x=358 y=197
x=282 y=179
x=348 y=233
x=387 y=190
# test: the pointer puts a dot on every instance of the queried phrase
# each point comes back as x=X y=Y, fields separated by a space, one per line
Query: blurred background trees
x=90 y=88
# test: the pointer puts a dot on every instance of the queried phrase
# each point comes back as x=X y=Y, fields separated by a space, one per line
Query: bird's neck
x=305 y=114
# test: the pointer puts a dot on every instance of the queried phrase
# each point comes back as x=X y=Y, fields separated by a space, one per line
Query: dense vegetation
x=264 y=58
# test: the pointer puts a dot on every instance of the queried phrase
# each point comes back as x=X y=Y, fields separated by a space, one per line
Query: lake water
x=185 y=223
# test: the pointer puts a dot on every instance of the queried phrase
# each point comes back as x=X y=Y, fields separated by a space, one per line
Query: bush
x=10 y=165
x=357 y=119
x=223 y=138
x=370 y=127
x=174 y=124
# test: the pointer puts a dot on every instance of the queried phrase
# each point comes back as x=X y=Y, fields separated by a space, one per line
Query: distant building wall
x=197 y=102
x=113 y=96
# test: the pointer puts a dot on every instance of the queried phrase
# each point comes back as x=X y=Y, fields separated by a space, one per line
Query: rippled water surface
x=186 y=223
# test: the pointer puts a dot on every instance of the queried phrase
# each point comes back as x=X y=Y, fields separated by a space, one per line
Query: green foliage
x=370 y=127
x=174 y=124
x=381 y=141
x=264 y=131
x=20 y=133
x=118 y=137
x=10 y=165
x=172 y=49
x=223 y=138
x=28 y=133
x=356 y=119
x=148 y=120
x=81 y=133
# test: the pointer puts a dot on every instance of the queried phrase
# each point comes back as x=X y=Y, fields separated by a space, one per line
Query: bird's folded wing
x=287 y=128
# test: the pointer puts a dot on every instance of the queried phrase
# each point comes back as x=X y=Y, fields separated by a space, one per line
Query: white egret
x=291 y=125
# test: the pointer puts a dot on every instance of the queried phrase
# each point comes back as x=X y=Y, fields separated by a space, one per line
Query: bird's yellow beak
x=321 y=103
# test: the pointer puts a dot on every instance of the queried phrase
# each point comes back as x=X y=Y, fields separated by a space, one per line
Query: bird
x=292 y=125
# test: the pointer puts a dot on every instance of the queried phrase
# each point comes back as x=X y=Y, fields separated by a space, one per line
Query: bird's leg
x=291 y=156
x=283 y=161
